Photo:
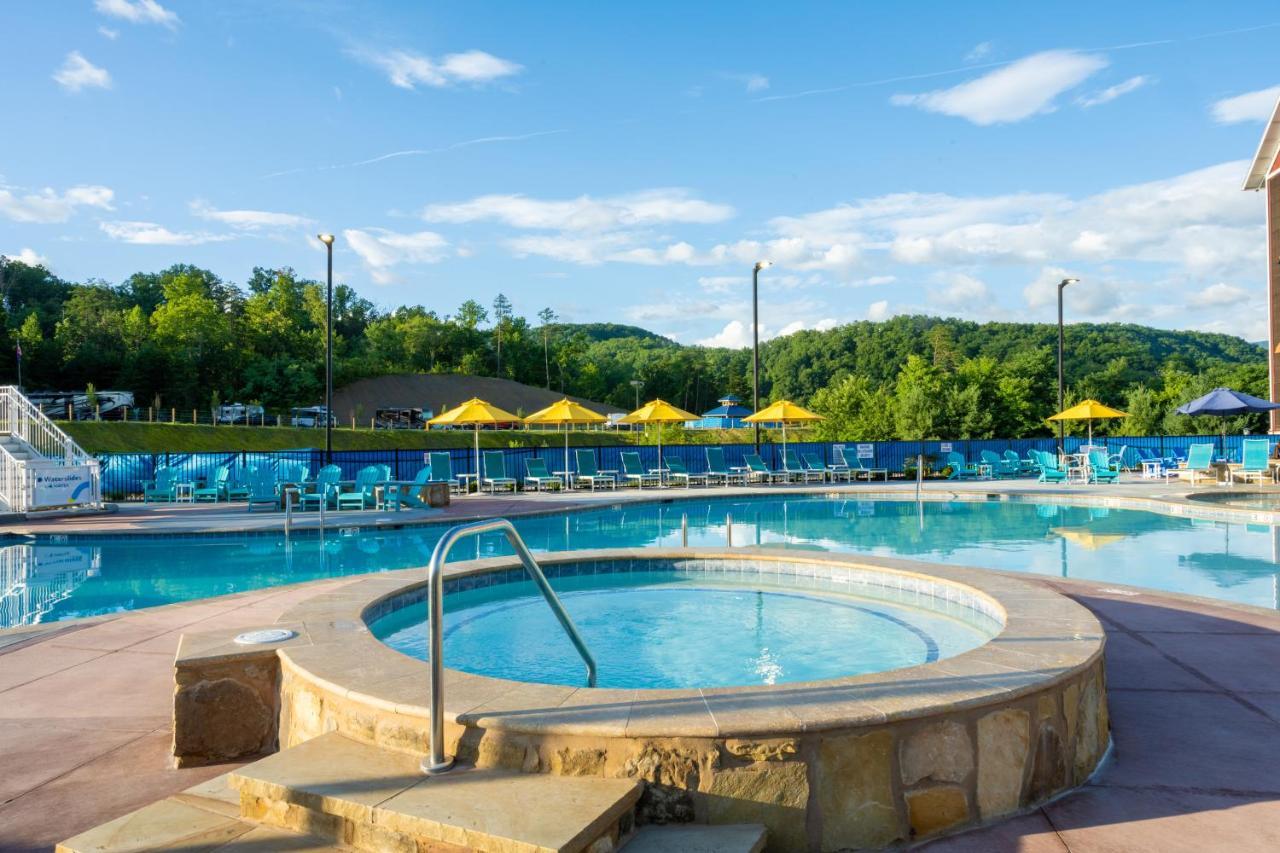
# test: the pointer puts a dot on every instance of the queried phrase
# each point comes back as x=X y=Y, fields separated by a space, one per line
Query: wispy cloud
x=1110 y=93
x=1220 y=295
x=109 y=33
x=752 y=82
x=980 y=52
x=48 y=206
x=408 y=70
x=248 y=220
x=153 y=234
x=138 y=12
x=584 y=213
x=1013 y=93
x=383 y=250
x=483 y=140
x=78 y=73
x=1251 y=106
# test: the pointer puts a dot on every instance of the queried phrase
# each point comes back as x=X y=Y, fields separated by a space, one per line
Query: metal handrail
x=437 y=762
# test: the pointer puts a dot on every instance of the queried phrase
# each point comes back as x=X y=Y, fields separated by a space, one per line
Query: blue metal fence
x=124 y=473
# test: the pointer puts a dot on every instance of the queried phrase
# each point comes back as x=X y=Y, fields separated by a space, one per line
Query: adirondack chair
x=163 y=489
x=406 y=494
x=364 y=492
x=324 y=487
x=212 y=490
x=1101 y=469
x=262 y=489
x=960 y=469
x=1050 y=470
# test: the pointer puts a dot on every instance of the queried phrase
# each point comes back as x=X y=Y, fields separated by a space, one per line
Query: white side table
x=184 y=493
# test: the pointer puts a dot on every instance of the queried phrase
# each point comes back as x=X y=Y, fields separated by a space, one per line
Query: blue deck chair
x=442 y=470
x=797 y=470
x=633 y=470
x=324 y=487
x=1199 y=464
x=1000 y=467
x=406 y=494
x=678 y=472
x=536 y=473
x=1255 y=461
x=758 y=472
x=164 y=488
x=718 y=469
x=588 y=473
x=1050 y=470
x=1017 y=463
x=212 y=490
x=364 y=492
x=262 y=488
x=495 y=472
x=1101 y=469
x=814 y=462
x=960 y=470
x=857 y=467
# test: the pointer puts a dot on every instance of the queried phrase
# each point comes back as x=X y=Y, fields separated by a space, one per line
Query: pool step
x=698 y=838
x=372 y=799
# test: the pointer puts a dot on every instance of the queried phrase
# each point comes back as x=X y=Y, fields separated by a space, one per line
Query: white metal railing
x=24 y=421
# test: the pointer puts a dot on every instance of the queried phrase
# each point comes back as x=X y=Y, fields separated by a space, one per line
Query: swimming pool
x=677 y=628
x=46 y=580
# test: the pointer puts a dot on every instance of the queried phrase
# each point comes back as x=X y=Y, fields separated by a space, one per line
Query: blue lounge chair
x=813 y=462
x=588 y=473
x=262 y=488
x=536 y=473
x=633 y=470
x=717 y=469
x=794 y=469
x=495 y=472
x=678 y=472
x=1101 y=468
x=1000 y=466
x=758 y=472
x=442 y=470
x=364 y=492
x=323 y=488
x=163 y=489
x=212 y=490
x=1050 y=470
x=960 y=470
x=1199 y=464
x=1255 y=461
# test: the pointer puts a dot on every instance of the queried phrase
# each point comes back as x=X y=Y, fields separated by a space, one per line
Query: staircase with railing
x=41 y=467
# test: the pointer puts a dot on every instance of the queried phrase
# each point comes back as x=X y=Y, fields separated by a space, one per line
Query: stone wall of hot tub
x=864 y=762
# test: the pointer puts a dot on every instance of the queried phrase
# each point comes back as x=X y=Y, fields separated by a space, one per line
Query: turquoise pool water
x=667 y=629
x=46 y=580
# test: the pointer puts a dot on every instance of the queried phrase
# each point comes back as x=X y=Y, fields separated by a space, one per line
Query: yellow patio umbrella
x=474 y=412
x=658 y=412
x=1089 y=410
x=783 y=412
x=1087 y=538
x=566 y=413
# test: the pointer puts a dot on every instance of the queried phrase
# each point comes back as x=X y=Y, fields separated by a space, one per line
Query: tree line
x=185 y=338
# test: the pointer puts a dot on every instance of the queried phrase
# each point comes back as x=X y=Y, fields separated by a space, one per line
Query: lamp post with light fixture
x=1062 y=285
x=327 y=239
x=755 y=342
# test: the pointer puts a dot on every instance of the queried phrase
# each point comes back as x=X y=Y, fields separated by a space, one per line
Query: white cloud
x=650 y=207
x=722 y=283
x=878 y=311
x=382 y=250
x=48 y=206
x=752 y=82
x=407 y=69
x=153 y=234
x=29 y=257
x=1221 y=295
x=1110 y=93
x=138 y=11
x=734 y=335
x=109 y=33
x=1251 y=106
x=873 y=281
x=79 y=73
x=249 y=220
x=961 y=292
x=1015 y=92
x=980 y=52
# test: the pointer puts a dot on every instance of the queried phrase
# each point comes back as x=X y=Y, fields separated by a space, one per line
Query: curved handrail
x=437 y=762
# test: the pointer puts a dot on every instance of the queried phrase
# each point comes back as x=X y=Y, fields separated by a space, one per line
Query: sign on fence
x=62 y=486
x=945 y=448
x=866 y=451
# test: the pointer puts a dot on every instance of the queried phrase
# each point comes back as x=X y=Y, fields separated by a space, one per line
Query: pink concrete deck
x=1194 y=692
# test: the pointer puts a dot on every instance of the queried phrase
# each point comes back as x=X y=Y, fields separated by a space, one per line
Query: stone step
x=373 y=799
x=204 y=818
x=698 y=838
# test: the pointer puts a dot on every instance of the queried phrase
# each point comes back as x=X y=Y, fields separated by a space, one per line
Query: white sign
x=62 y=486
x=866 y=451
x=946 y=447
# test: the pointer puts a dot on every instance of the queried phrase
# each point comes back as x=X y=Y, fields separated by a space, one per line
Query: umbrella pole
x=477 y=431
x=566 y=456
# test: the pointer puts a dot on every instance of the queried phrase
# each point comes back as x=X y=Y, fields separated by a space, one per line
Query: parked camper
x=311 y=416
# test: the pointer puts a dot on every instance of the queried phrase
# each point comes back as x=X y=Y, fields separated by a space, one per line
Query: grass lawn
x=117 y=437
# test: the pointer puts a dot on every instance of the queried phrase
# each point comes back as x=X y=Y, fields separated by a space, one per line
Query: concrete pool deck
x=85 y=707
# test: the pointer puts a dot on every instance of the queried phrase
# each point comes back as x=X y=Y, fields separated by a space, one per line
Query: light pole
x=637 y=384
x=1062 y=285
x=755 y=342
x=327 y=239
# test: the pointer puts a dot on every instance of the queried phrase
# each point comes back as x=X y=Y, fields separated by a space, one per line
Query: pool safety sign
x=62 y=486
x=866 y=451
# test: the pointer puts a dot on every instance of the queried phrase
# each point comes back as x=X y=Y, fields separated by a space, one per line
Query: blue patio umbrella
x=1226 y=403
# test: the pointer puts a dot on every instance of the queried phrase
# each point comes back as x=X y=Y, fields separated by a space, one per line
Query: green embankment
x=116 y=437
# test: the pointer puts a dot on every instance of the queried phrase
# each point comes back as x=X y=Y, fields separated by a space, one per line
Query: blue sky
x=630 y=162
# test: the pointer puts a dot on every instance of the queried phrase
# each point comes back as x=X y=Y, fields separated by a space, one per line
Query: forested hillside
x=183 y=337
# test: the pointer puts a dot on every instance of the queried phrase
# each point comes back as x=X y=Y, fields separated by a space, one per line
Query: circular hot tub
x=671 y=624
x=842 y=701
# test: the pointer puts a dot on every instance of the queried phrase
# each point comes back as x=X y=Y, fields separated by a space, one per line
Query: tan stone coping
x=1046 y=639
